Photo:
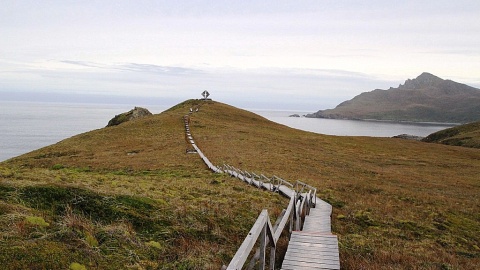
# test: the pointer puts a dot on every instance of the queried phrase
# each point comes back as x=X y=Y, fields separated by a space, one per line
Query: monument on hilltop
x=205 y=95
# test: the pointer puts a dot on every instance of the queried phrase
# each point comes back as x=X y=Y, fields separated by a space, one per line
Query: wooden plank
x=298 y=239
x=317 y=227
x=314 y=259
x=325 y=248
x=286 y=191
x=329 y=258
x=312 y=256
x=309 y=253
x=300 y=265
x=318 y=219
x=313 y=236
x=328 y=265
x=311 y=260
x=327 y=241
x=317 y=246
x=320 y=242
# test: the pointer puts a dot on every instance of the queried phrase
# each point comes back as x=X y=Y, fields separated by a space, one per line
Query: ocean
x=27 y=126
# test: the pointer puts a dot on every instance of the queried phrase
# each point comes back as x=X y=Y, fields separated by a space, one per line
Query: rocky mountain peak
x=425 y=76
x=424 y=80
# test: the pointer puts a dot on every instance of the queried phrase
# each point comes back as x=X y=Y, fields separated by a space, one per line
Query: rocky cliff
x=136 y=113
x=426 y=98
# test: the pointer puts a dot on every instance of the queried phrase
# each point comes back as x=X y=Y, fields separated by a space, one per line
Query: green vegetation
x=77 y=266
x=38 y=221
x=467 y=135
x=129 y=197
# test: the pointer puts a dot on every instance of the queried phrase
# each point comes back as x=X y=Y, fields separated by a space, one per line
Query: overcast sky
x=304 y=55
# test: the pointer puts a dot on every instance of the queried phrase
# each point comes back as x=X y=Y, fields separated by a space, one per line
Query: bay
x=340 y=127
x=27 y=126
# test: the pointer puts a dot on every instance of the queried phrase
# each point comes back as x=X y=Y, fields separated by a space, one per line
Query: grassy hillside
x=124 y=197
x=129 y=195
x=467 y=135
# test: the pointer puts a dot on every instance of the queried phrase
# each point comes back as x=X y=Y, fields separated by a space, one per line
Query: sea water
x=25 y=126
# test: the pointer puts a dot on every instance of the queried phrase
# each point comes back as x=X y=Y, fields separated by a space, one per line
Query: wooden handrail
x=286 y=217
x=256 y=256
x=262 y=227
x=281 y=181
x=294 y=214
x=263 y=224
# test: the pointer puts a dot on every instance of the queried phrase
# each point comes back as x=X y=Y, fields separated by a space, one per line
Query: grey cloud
x=81 y=63
x=170 y=70
x=137 y=67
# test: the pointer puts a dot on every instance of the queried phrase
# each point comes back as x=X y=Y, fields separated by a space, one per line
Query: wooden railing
x=268 y=236
x=312 y=193
x=262 y=231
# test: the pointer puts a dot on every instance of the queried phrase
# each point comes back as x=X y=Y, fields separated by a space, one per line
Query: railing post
x=272 y=257
x=308 y=202
x=297 y=222
x=263 y=247
x=292 y=214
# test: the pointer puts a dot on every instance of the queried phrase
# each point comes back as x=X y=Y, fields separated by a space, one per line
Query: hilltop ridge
x=426 y=98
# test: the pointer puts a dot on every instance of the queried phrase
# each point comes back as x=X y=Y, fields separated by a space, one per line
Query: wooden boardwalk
x=308 y=250
x=313 y=247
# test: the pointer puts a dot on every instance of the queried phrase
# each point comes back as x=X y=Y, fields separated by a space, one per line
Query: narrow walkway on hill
x=313 y=247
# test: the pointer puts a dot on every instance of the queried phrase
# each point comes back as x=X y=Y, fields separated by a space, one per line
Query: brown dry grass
x=397 y=204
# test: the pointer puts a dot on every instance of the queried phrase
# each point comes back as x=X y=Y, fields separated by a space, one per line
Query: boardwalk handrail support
x=260 y=230
x=300 y=186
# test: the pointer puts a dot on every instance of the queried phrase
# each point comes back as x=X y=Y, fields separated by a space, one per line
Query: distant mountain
x=427 y=98
x=467 y=135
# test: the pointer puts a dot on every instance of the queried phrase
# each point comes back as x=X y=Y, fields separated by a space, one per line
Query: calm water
x=28 y=126
x=353 y=127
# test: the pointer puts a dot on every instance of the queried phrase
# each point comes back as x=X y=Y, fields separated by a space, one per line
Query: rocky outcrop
x=426 y=98
x=136 y=113
x=409 y=137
